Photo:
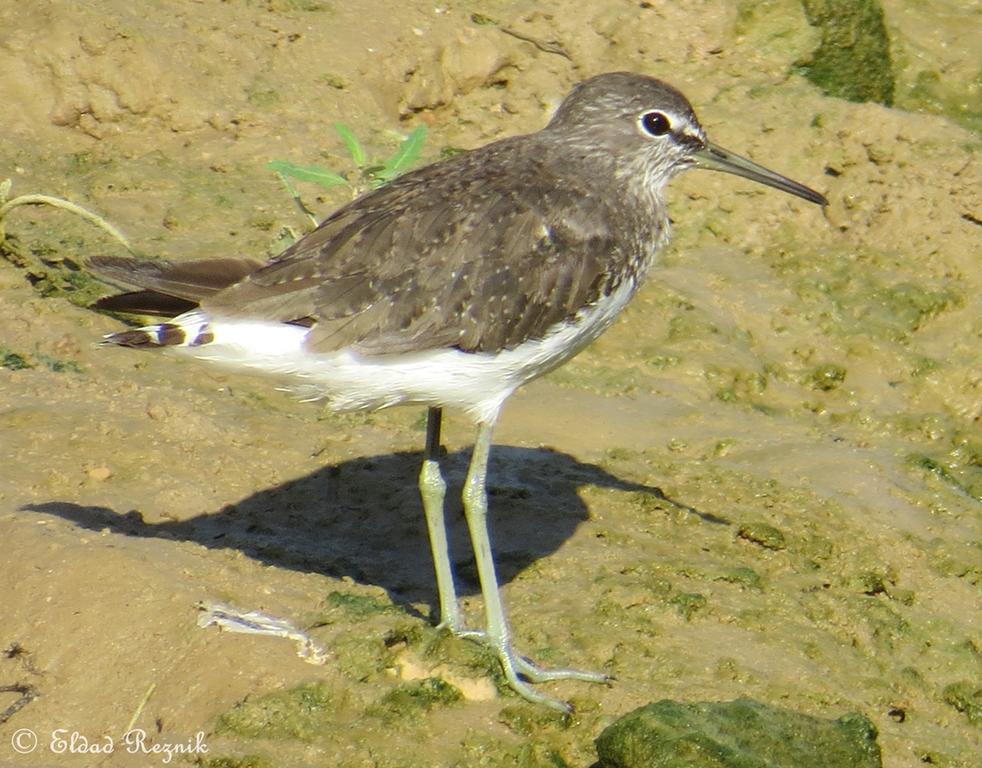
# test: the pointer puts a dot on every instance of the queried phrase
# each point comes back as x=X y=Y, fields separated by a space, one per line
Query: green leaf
x=321 y=176
x=354 y=147
x=404 y=158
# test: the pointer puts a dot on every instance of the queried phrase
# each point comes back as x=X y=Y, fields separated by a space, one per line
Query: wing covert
x=478 y=265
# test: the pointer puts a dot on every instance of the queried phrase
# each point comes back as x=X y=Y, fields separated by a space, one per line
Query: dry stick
x=57 y=202
x=139 y=709
x=27 y=694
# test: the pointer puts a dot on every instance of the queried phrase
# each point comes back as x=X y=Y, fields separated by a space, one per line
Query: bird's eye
x=655 y=123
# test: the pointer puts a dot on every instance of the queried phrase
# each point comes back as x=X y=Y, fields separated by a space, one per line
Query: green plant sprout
x=371 y=173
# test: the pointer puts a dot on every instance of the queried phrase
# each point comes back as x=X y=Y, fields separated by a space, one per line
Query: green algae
x=735 y=734
x=959 y=469
x=853 y=59
x=854 y=303
x=439 y=647
x=869 y=582
x=528 y=720
x=732 y=384
x=826 y=377
x=483 y=750
x=51 y=274
x=244 y=761
x=934 y=93
x=301 y=713
x=412 y=699
x=358 y=607
x=907 y=306
x=743 y=576
x=965 y=697
x=17 y=361
x=688 y=604
x=13 y=361
x=762 y=534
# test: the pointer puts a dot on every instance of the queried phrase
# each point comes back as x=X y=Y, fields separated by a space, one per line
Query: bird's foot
x=536 y=674
x=454 y=628
x=451 y=622
x=520 y=671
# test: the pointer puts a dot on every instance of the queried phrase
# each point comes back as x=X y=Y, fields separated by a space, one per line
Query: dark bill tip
x=715 y=158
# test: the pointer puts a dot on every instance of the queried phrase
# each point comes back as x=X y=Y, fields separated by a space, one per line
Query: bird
x=452 y=286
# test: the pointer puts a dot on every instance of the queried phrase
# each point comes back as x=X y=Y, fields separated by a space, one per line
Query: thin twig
x=139 y=708
x=71 y=207
x=27 y=694
x=549 y=46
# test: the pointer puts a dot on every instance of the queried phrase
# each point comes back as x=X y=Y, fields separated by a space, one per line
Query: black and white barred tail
x=169 y=289
x=189 y=330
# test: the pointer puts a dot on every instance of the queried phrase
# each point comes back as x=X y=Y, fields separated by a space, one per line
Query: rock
x=472 y=60
x=99 y=474
x=735 y=734
x=441 y=74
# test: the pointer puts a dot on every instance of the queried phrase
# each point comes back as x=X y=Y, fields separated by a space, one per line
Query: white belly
x=477 y=383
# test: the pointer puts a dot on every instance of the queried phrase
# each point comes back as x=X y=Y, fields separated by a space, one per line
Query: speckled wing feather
x=480 y=252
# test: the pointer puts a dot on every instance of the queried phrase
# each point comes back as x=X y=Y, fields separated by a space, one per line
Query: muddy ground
x=763 y=482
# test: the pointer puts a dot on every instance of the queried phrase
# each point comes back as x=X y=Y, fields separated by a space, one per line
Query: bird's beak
x=718 y=159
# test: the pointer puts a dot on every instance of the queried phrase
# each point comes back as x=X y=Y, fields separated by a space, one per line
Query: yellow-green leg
x=433 y=490
x=476 y=511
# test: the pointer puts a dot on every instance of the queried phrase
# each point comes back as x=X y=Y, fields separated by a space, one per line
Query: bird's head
x=649 y=131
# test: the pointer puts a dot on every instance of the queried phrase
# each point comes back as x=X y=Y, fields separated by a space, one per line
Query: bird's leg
x=433 y=489
x=476 y=512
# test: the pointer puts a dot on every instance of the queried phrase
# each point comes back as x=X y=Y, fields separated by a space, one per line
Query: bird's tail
x=167 y=289
x=190 y=329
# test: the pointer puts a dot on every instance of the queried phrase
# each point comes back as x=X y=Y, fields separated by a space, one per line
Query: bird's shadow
x=363 y=519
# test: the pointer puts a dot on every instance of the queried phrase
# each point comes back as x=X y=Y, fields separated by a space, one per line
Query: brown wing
x=479 y=252
x=185 y=279
x=166 y=287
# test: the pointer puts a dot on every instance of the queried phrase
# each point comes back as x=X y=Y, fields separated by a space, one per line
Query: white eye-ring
x=654 y=123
